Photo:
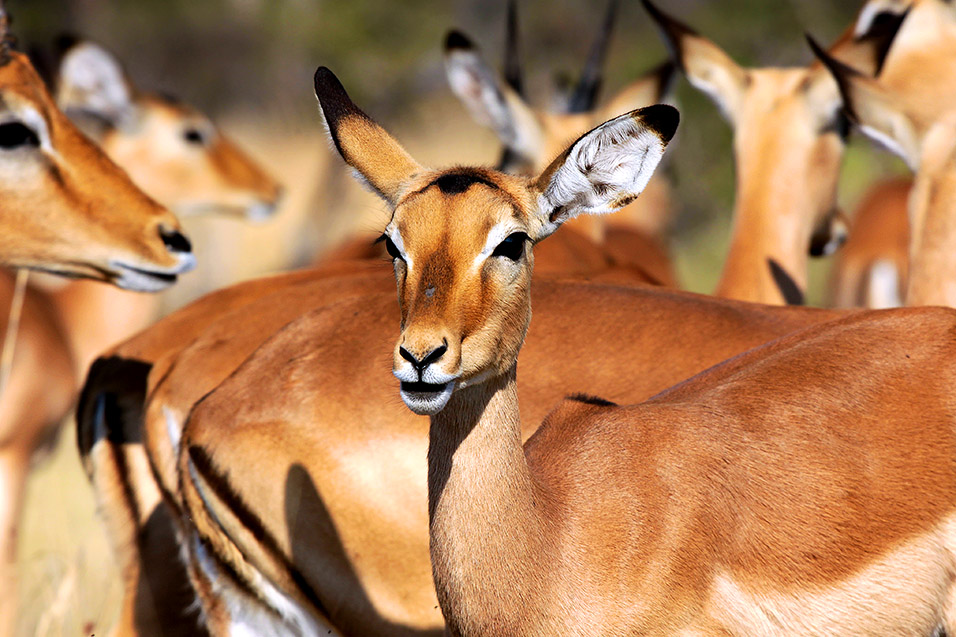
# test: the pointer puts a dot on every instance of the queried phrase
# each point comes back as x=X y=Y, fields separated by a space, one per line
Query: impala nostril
x=404 y=353
x=430 y=358
x=174 y=240
x=435 y=354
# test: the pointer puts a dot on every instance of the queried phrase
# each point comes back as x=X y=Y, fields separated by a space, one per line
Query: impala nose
x=175 y=241
x=428 y=359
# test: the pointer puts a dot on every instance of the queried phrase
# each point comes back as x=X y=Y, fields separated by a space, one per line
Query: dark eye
x=512 y=247
x=15 y=135
x=194 y=136
x=840 y=125
x=390 y=247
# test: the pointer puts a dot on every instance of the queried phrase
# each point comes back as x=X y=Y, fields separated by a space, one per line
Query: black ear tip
x=662 y=119
x=64 y=42
x=326 y=84
x=814 y=46
x=456 y=40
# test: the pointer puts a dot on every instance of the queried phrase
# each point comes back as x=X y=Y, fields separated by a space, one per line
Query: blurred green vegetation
x=258 y=56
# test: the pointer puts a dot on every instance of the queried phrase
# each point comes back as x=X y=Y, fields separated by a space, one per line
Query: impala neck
x=932 y=273
x=485 y=521
x=764 y=230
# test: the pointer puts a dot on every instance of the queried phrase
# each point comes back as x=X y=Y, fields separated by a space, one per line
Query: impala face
x=68 y=209
x=461 y=244
x=170 y=149
x=788 y=144
x=461 y=238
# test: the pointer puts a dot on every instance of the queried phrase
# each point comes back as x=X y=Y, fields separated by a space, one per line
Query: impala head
x=927 y=143
x=789 y=131
x=66 y=207
x=535 y=136
x=170 y=149
x=461 y=238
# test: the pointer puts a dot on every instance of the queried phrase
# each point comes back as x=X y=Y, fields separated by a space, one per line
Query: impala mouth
x=140 y=279
x=426 y=398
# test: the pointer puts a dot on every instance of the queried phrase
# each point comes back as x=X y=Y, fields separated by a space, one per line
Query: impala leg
x=13 y=473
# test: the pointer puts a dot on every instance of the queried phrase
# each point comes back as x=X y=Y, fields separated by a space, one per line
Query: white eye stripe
x=32 y=119
x=396 y=238
x=496 y=235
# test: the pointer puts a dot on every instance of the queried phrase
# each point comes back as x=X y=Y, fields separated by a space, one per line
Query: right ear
x=606 y=169
x=707 y=67
x=878 y=113
x=92 y=81
x=364 y=145
x=490 y=102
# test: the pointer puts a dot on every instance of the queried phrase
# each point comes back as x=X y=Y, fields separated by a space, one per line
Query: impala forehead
x=466 y=223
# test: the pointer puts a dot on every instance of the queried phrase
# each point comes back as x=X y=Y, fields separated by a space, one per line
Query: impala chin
x=427 y=399
x=149 y=279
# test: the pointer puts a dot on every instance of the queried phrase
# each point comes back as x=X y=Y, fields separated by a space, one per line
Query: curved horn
x=585 y=94
x=513 y=74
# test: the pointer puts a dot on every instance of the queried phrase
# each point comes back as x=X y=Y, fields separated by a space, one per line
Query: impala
x=870 y=269
x=922 y=66
x=788 y=142
x=170 y=150
x=925 y=138
x=736 y=502
x=180 y=380
x=66 y=208
x=300 y=553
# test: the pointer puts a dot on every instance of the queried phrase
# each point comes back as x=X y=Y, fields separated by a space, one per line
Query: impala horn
x=510 y=161
x=6 y=39
x=585 y=94
x=513 y=74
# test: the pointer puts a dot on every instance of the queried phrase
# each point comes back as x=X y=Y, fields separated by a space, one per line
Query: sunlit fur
x=68 y=208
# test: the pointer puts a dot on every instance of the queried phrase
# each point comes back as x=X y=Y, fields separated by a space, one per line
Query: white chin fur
x=430 y=403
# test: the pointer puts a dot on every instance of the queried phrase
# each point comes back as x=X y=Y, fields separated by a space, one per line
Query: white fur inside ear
x=490 y=103
x=604 y=171
x=92 y=79
x=894 y=146
x=874 y=8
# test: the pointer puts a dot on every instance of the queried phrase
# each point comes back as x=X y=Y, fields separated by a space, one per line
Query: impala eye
x=390 y=247
x=16 y=135
x=512 y=247
x=194 y=136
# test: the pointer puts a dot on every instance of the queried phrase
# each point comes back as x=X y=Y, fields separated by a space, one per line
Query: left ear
x=606 y=169
x=92 y=81
x=379 y=161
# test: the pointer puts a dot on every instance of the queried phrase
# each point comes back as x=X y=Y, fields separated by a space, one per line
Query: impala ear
x=607 y=168
x=491 y=102
x=865 y=45
x=650 y=88
x=91 y=81
x=707 y=67
x=378 y=159
x=877 y=112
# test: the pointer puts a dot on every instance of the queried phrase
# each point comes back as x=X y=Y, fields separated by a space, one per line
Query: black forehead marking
x=455 y=183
